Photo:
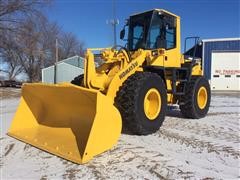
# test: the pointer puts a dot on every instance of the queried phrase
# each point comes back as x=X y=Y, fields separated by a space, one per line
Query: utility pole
x=114 y=22
x=55 y=66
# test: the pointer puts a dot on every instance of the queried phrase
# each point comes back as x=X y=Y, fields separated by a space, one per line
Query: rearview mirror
x=122 y=33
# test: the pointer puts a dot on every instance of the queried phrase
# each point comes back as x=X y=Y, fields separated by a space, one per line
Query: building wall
x=211 y=46
x=225 y=71
x=75 y=61
x=65 y=73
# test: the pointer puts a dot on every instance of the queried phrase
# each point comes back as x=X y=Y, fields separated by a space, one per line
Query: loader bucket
x=72 y=122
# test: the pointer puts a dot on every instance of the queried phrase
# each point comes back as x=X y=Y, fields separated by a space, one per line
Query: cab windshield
x=138 y=30
x=152 y=30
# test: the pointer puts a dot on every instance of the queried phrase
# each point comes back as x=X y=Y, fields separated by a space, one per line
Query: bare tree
x=70 y=45
x=13 y=12
x=9 y=57
x=36 y=42
x=30 y=45
x=49 y=34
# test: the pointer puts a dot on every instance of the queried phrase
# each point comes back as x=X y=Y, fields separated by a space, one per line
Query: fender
x=122 y=75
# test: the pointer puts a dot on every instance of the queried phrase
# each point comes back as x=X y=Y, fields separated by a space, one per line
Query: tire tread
x=127 y=98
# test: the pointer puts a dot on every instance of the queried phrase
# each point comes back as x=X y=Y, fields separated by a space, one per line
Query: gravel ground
x=183 y=148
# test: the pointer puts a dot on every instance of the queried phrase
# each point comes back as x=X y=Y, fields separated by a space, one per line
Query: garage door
x=225 y=71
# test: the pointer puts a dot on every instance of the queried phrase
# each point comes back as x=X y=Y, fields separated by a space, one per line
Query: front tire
x=196 y=101
x=142 y=102
x=78 y=80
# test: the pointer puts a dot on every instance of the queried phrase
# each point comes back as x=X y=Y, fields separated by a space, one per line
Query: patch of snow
x=182 y=148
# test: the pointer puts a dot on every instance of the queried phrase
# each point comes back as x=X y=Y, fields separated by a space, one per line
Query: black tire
x=189 y=106
x=130 y=103
x=78 y=80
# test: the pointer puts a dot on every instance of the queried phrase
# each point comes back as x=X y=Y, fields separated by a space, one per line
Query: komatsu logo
x=130 y=68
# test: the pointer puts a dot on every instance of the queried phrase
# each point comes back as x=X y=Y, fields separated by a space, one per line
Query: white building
x=67 y=70
x=221 y=59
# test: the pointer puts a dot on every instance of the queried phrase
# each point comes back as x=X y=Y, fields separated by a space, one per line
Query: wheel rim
x=152 y=103
x=202 y=97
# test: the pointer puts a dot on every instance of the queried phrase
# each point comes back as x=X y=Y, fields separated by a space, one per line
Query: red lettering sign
x=227 y=71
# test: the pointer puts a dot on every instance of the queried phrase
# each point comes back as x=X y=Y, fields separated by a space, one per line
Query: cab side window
x=171 y=34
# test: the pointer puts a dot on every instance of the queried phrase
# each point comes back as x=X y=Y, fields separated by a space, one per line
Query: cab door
x=164 y=33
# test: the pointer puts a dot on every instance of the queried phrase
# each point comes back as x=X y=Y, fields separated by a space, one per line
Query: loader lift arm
x=127 y=68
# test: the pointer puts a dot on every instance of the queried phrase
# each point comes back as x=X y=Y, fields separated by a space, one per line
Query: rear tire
x=78 y=80
x=191 y=107
x=130 y=101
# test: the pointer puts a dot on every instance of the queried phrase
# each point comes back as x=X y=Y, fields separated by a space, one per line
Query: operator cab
x=151 y=30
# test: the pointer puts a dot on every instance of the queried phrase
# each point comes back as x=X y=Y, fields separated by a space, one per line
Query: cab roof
x=159 y=10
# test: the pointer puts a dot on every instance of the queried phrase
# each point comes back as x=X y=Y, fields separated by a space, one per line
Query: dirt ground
x=207 y=148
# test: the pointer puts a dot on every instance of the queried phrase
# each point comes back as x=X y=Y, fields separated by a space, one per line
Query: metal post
x=55 y=65
x=115 y=32
x=114 y=22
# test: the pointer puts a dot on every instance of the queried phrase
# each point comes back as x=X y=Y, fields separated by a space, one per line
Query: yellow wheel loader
x=132 y=86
